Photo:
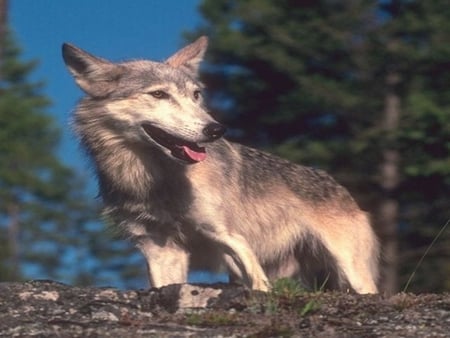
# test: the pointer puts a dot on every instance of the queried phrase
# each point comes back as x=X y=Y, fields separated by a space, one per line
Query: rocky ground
x=49 y=309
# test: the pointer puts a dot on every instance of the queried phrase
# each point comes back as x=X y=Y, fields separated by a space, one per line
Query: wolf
x=188 y=198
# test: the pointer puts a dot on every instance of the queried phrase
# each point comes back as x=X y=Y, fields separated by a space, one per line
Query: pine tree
x=49 y=227
x=38 y=198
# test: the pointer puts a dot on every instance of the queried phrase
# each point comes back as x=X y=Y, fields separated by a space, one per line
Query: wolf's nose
x=214 y=131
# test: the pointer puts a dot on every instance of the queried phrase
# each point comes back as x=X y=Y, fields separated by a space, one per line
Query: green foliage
x=286 y=288
x=309 y=81
x=283 y=291
x=286 y=296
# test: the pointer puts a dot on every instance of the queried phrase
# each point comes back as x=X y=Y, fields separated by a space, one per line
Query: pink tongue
x=195 y=155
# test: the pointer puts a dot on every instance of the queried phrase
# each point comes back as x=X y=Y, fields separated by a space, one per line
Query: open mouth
x=179 y=148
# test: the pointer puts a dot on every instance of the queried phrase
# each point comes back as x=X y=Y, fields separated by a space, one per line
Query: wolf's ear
x=189 y=57
x=96 y=76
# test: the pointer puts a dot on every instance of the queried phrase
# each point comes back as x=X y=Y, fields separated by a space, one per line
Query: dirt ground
x=49 y=309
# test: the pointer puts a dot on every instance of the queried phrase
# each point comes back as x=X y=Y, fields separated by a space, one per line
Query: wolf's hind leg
x=357 y=268
x=167 y=264
x=355 y=248
x=360 y=277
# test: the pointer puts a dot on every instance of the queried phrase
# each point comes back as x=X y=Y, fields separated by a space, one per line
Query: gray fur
x=147 y=131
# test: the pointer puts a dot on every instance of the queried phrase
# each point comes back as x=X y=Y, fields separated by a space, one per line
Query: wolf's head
x=156 y=103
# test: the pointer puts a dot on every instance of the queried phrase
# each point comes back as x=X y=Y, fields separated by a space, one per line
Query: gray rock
x=50 y=309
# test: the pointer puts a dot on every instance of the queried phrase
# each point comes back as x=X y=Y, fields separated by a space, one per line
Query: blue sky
x=113 y=29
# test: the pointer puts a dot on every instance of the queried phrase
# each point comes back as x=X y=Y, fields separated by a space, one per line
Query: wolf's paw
x=261 y=285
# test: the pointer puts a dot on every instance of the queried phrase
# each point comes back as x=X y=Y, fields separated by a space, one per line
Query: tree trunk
x=13 y=241
x=389 y=180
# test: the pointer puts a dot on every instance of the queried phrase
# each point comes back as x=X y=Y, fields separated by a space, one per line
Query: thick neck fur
x=131 y=174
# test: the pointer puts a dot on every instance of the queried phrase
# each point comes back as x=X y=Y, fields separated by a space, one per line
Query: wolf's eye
x=159 y=94
x=197 y=94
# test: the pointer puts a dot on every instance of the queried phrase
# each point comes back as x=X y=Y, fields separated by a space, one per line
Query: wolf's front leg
x=244 y=257
x=167 y=263
x=243 y=260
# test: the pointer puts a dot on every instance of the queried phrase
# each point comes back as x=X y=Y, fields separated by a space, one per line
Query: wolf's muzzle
x=214 y=131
